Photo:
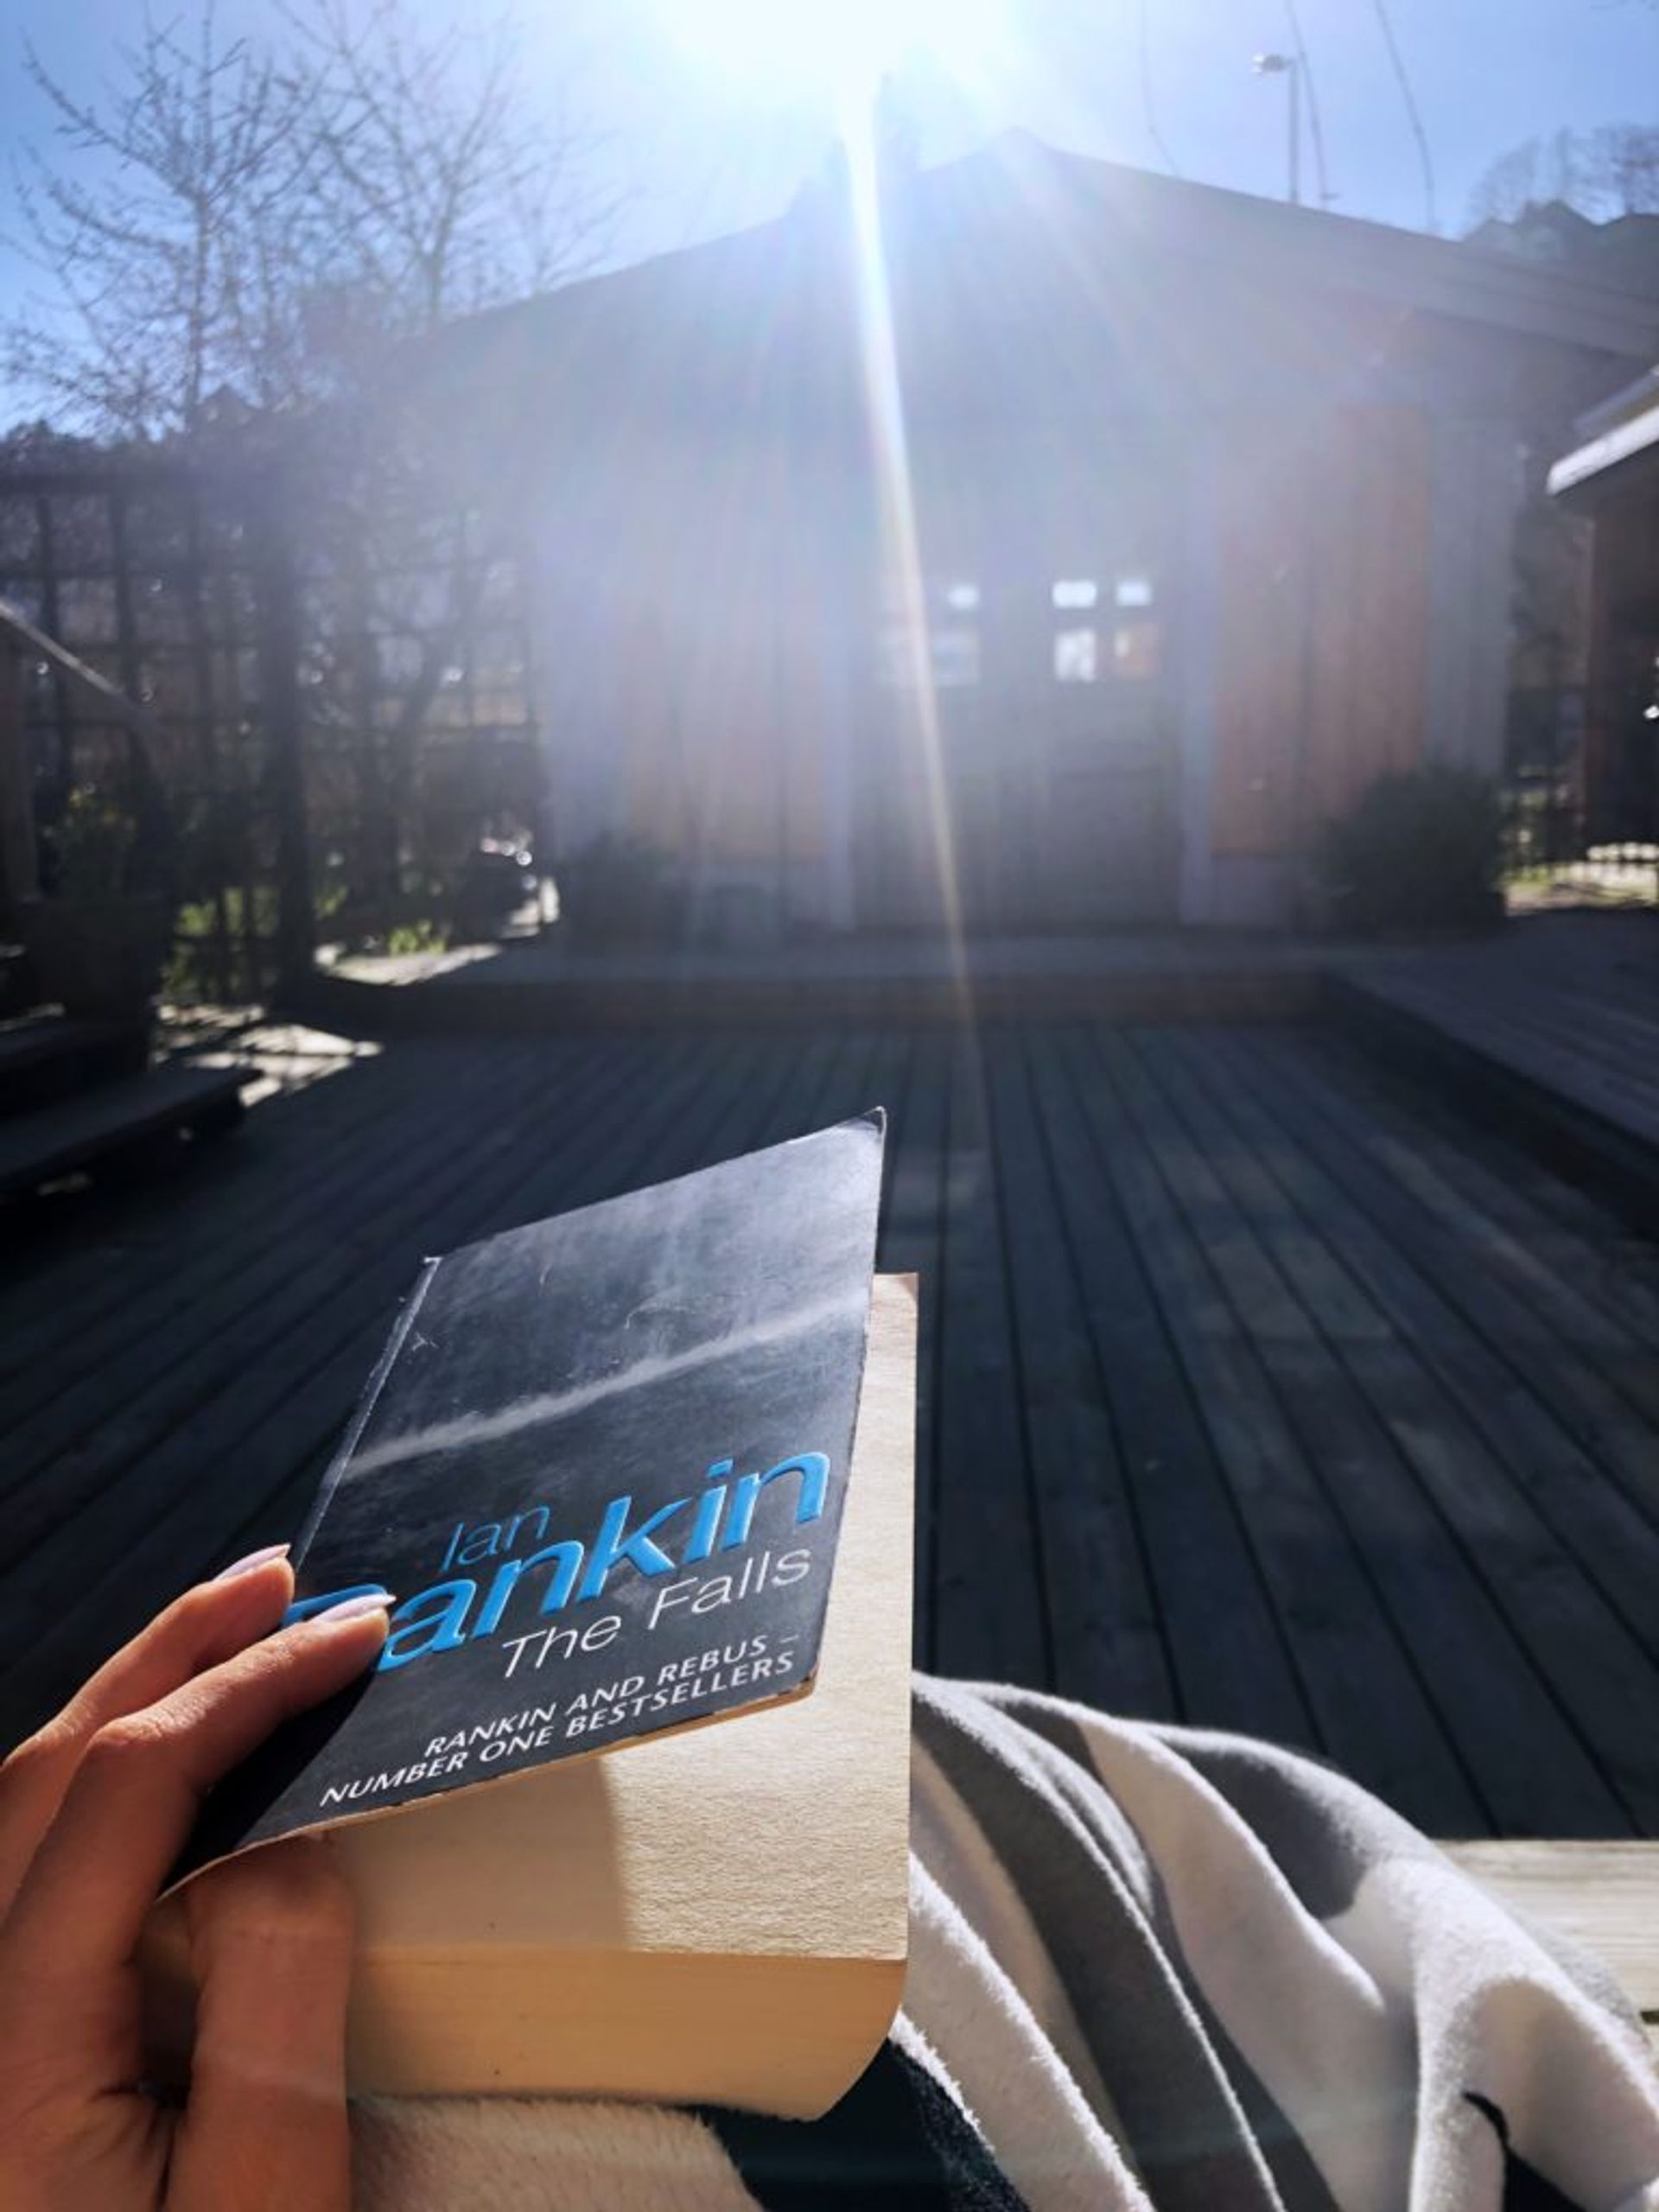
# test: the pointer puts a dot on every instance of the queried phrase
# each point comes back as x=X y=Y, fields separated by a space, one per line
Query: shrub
x=91 y=847
x=619 y=894
x=1421 y=850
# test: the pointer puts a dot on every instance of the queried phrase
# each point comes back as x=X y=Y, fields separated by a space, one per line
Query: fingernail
x=260 y=1558
x=353 y=1609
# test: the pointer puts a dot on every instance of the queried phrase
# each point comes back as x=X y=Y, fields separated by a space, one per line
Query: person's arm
x=93 y=1811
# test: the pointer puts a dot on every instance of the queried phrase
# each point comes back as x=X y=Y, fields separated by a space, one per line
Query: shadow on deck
x=533 y=985
x=1259 y=1390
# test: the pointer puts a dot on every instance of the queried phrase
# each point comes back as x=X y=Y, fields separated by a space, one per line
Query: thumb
x=265 y=2125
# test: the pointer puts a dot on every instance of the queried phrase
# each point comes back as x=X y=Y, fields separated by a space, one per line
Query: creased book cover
x=601 y=1466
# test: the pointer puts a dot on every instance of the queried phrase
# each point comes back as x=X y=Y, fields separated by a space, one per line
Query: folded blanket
x=1150 y=1967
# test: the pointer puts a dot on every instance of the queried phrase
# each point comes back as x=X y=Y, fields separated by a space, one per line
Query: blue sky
x=710 y=148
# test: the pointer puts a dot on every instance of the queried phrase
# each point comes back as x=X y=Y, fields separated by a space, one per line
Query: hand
x=93 y=1810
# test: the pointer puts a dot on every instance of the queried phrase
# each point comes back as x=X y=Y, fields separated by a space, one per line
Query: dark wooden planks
x=55 y=1286
x=1506 y=1393
x=195 y=1344
x=1356 y=1670
x=1580 y=1239
x=1253 y=1393
x=991 y=1609
x=142 y=1350
x=1548 y=1030
x=97 y=1127
x=674 y=1109
x=1227 y=1655
x=1581 y=1370
x=1477 y=1579
x=1601 y=1061
x=47 y=1058
x=142 y=1534
x=1108 y=1642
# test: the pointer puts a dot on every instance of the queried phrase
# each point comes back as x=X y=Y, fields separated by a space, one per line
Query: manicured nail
x=354 y=1609
x=260 y=1558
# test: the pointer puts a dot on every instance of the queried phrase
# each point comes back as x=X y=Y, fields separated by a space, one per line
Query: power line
x=1147 y=106
x=1316 y=129
x=1403 y=79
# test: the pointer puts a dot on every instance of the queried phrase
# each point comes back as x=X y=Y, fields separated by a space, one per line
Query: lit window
x=1075 y=591
x=961 y=598
x=956 y=656
x=892 y=655
x=1076 y=656
x=953 y=657
x=1134 y=650
x=1134 y=591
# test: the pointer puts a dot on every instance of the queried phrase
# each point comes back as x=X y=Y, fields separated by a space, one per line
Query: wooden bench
x=46 y=1057
x=1603 y=1897
x=114 y=1120
x=1569 y=1066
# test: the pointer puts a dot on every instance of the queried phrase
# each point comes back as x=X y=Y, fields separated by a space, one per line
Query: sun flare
x=839 y=48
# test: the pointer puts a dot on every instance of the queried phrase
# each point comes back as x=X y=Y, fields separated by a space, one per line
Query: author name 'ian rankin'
x=452 y=1612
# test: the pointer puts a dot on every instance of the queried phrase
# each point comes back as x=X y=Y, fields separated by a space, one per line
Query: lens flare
x=834 y=49
x=901 y=549
x=838 y=54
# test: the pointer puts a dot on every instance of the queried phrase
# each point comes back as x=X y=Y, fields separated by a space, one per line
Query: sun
x=838 y=50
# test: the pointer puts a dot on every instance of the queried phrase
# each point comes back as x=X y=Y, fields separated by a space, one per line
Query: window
x=1134 y=650
x=952 y=652
x=956 y=656
x=953 y=638
x=1076 y=656
x=1071 y=592
x=1134 y=591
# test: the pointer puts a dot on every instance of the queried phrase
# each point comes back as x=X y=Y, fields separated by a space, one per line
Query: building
x=1611 y=475
x=1059 y=552
x=1622 y=251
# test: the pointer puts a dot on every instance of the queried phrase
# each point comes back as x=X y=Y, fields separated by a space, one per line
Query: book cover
x=601 y=1466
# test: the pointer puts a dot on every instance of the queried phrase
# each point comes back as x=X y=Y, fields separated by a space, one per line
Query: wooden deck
x=1258 y=1391
x=1549 y=1028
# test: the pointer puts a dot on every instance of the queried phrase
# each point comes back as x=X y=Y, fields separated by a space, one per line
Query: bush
x=618 y=894
x=1421 y=850
x=202 y=970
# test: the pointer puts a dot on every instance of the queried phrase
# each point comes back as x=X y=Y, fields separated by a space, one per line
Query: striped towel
x=1150 y=1967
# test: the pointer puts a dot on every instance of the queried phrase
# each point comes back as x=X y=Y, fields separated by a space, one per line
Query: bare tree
x=139 y=224
x=258 y=221
x=258 y=236
x=1624 y=164
x=1610 y=171
x=445 y=188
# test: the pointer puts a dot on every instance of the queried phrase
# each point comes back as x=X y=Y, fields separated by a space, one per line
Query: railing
x=343 y=702
x=26 y=870
x=1580 y=788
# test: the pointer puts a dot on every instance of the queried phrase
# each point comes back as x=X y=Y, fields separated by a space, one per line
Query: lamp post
x=1284 y=65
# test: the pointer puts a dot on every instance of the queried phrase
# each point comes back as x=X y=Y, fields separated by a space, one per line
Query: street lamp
x=1284 y=65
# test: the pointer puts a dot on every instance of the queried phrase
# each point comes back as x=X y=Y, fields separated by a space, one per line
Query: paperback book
x=625 y=1474
x=600 y=1468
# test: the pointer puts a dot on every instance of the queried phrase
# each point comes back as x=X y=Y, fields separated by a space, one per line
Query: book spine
x=365 y=1406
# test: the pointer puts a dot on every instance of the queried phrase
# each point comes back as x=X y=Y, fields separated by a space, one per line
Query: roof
x=1619 y=442
x=1622 y=251
x=989 y=228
